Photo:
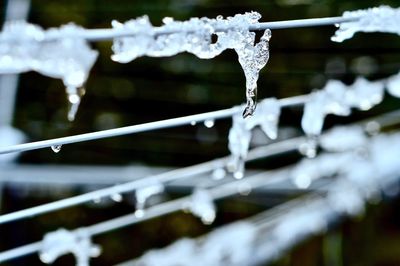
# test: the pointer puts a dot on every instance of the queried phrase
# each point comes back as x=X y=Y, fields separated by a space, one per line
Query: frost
x=202 y=205
x=19 y=43
x=61 y=242
x=393 y=85
x=377 y=19
x=267 y=117
x=196 y=36
x=364 y=94
x=343 y=138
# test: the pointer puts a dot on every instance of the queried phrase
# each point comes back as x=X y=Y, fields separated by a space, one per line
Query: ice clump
x=58 y=243
x=343 y=138
x=196 y=36
x=267 y=117
x=143 y=194
x=202 y=205
x=393 y=85
x=376 y=19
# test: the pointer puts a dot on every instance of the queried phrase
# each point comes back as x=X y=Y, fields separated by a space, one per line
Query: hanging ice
x=61 y=242
x=364 y=94
x=377 y=19
x=195 y=36
x=19 y=43
x=202 y=205
x=239 y=137
x=56 y=148
x=143 y=194
x=69 y=58
x=393 y=85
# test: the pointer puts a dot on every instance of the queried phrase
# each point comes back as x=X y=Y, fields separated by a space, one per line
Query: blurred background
x=150 y=89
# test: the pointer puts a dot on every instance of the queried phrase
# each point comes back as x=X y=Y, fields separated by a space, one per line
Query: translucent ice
x=239 y=137
x=69 y=58
x=377 y=19
x=393 y=85
x=202 y=205
x=196 y=36
x=19 y=43
x=58 y=243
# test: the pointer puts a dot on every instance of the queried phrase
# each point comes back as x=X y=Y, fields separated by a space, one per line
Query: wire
x=109 y=34
x=168 y=123
x=269 y=150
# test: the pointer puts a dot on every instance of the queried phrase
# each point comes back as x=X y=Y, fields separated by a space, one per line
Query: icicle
x=58 y=243
x=19 y=43
x=364 y=94
x=202 y=206
x=68 y=58
x=239 y=142
x=143 y=194
x=393 y=85
x=267 y=117
x=195 y=36
x=377 y=19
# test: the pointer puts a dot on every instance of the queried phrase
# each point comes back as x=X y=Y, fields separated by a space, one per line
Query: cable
x=254 y=154
x=168 y=123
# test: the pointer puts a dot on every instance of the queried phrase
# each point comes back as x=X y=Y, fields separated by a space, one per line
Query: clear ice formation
x=376 y=19
x=202 y=205
x=393 y=85
x=267 y=117
x=24 y=47
x=196 y=36
x=58 y=243
x=143 y=194
x=338 y=99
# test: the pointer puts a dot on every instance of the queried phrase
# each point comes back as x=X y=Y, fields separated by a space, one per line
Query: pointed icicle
x=377 y=19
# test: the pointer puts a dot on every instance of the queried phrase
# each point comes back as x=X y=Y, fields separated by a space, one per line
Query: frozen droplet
x=302 y=181
x=139 y=213
x=56 y=148
x=117 y=197
x=220 y=17
x=193 y=123
x=144 y=193
x=202 y=205
x=377 y=19
x=309 y=147
x=209 y=123
x=97 y=200
x=218 y=174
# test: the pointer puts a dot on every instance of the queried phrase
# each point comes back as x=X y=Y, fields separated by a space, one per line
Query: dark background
x=150 y=89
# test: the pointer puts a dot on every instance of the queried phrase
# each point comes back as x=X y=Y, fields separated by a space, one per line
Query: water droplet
x=56 y=148
x=139 y=213
x=193 y=123
x=220 y=17
x=117 y=197
x=209 y=123
x=218 y=174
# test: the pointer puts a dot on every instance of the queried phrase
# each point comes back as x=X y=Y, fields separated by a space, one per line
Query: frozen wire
x=219 y=192
x=109 y=34
x=173 y=122
x=256 y=153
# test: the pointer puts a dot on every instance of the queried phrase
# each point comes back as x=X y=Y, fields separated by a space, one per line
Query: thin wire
x=168 y=123
x=268 y=150
x=219 y=192
x=109 y=34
